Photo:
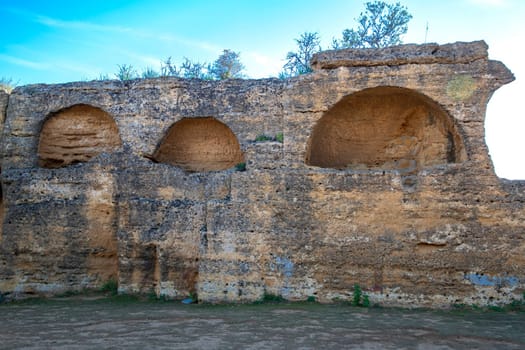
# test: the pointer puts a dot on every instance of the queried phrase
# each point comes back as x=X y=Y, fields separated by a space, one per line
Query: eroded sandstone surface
x=175 y=187
x=75 y=135
x=200 y=144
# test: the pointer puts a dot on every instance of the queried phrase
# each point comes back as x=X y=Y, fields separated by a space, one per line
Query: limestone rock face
x=403 y=54
x=372 y=170
x=4 y=97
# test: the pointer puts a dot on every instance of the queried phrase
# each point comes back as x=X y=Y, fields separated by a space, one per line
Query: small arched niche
x=384 y=128
x=200 y=144
x=76 y=134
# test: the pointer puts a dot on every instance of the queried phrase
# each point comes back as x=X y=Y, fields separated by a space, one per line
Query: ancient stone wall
x=372 y=170
x=4 y=97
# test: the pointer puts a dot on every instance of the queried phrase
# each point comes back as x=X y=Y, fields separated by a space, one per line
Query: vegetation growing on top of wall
x=7 y=84
x=227 y=66
x=381 y=24
x=279 y=137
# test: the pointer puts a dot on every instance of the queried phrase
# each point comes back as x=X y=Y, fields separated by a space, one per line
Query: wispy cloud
x=50 y=65
x=65 y=24
x=23 y=62
x=80 y=25
x=115 y=29
x=491 y=3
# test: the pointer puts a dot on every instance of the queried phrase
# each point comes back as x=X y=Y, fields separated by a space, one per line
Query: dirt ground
x=118 y=324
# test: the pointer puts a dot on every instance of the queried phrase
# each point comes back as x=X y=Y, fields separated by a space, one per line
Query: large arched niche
x=76 y=134
x=388 y=128
x=200 y=144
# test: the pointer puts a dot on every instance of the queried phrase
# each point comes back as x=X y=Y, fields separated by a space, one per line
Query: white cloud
x=138 y=33
x=90 y=26
x=259 y=65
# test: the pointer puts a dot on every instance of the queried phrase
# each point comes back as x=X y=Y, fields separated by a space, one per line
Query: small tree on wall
x=7 y=84
x=298 y=62
x=227 y=66
x=126 y=72
x=194 y=70
x=380 y=25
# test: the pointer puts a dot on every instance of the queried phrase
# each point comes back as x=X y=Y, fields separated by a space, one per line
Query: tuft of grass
x=360 y=299
x=513 y=306
x=269 y=298
x=496 y=308
x=240 y=166
x=356 y=301
x=311 y=299
x=366 y=301
x=150 y=73
x=272 y=298
x=152 y=296
x=7 y=84
x=126 y=72
x=279 y=137
x=516 y=305
x=262 y=138
x=110 y=286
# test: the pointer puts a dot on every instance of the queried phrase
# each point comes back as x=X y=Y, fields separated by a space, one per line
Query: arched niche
x=200 y=144
x=76 y=134
x=384 y=128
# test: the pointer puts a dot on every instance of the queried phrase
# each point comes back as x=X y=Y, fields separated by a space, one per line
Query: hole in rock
x=385 y=128
x=200 y=144
x=76 y=134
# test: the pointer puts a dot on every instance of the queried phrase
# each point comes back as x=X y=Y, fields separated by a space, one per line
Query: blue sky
x=60 y=41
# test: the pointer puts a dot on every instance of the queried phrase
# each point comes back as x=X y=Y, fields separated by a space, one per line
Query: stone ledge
x=458 y=52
